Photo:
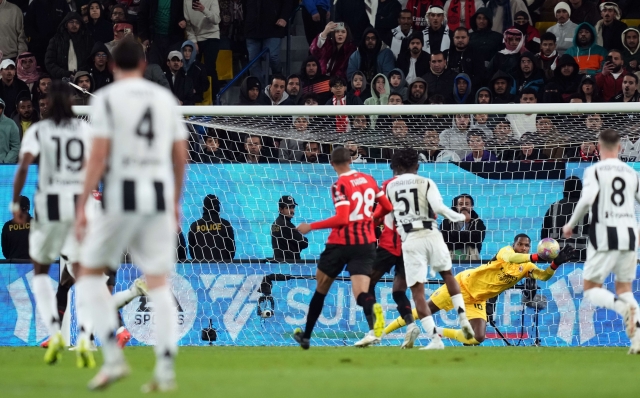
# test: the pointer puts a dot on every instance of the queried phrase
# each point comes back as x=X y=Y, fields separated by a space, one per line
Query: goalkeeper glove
x=566 y=254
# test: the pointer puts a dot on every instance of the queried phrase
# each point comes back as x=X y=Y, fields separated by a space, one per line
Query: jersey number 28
x=364 y=204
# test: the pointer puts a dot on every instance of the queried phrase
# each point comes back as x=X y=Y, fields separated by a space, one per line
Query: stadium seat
x=224 y=65
x=632 y=23
x=543 y=26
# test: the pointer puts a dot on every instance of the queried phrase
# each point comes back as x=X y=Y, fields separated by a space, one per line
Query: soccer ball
x=548 y=249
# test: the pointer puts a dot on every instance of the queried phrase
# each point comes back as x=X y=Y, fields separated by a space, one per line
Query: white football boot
x=368 y=340
x=413 y=331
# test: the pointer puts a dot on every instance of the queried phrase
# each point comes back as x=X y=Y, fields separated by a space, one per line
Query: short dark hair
x=248 y=136
x=614 y=50
x=340 y=155
x=521 y=236
x=404 y=159
x=437 y=99
x=337 y=79
x=307 y=96
x=293 y=76
x=475 y=133
x=279 y=76
x=438 y=52
x=461 y=29
x=633 y=75
x=528 y=90
x=464 y=196
x=396 y=94
x=609 y=138
x=405 y=11
x=128 y=54
x=548 y=36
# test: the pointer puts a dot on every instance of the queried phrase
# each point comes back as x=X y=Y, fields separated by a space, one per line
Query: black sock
x=404 y=306
x=61 y=298
x=315 y=309
x=366 y=301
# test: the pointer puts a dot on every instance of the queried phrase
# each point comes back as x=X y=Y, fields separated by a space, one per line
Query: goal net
x=515 y=168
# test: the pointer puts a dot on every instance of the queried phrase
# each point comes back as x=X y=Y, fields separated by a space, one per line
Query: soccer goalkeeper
x=508 y=267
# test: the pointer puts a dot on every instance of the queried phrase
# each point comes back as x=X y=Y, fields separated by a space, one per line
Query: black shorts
x=385 y=261
x=358 y=259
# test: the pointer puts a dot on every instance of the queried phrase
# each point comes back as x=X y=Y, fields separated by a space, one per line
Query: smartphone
x=194 y=4
x=127 y=31
x=609 y=59
x=339 y=25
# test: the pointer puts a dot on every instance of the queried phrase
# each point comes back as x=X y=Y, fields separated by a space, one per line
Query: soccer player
x=351 y=241
x=61 y=142
x=611 y=189
x=137 y=132
x=508 y=267
x=416 y=200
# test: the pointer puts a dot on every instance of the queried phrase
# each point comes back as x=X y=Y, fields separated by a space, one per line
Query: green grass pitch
x=333 y=372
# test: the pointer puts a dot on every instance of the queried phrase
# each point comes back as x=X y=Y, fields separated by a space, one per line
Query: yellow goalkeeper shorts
x=475 y=309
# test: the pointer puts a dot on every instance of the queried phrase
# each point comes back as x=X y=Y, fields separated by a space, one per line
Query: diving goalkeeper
x=508 y=267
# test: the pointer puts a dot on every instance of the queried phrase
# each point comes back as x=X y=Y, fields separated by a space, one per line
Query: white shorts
x=47 y=239
x=423 y=249
x=622 y=263
x=151 y=240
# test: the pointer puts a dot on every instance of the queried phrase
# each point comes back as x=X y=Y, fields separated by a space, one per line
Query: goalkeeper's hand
x=566 y=254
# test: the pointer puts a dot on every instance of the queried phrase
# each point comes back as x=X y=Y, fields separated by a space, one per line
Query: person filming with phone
x=203 y=29
x=609 y=81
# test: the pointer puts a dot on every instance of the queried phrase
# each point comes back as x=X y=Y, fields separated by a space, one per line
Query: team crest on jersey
x=339 y=196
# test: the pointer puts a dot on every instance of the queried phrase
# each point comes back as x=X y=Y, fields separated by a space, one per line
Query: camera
x=266 y=306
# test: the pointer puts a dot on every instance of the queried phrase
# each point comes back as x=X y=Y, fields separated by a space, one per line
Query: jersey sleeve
x=435 y=201
x=508 y=255
x=101 y=117
x=539 y=274
x=30 y=142
x=339 y=194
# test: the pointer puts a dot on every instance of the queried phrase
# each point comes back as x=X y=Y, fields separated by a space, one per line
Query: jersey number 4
x=364 y=204
x=145 y=127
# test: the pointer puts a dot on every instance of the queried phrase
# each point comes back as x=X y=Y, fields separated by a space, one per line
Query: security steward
x=15 y=237
x=211 y=238
x=286 y=241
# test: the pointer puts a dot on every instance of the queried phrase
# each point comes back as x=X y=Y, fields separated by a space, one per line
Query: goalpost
x=232 y=300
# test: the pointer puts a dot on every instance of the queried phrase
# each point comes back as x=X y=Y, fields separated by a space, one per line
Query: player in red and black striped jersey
x=351 y=242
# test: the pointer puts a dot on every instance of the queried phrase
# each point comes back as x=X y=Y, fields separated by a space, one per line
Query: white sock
x=604 y=298
x=629 y=298
x=83 y=314
x=429 y=326
x=101 y=311
x=439 y=331
x=46 y=302
x=124 y=297
x=165 y=316
x=458 y=303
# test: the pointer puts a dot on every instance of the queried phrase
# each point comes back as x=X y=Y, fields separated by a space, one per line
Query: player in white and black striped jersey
x=611 y=189
x=61 y=142
x=139 y=151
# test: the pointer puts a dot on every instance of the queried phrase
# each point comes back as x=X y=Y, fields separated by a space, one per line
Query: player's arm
x=590 y=190
x=341 y=218
x=384 y=206
x=566 y=254
x=29 y=150
x=435 y=200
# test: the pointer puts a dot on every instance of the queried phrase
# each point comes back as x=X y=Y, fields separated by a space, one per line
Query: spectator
x=465 y=59
x=524 y=123
x=584 y=11
x=27 y=69
x=11 y=88
x=99 y=26
x=313 y=154
x=609 y=81
x=530 y=33
x=609 y=29
x=414 y=62
x=99 y=66
x=508 y=59
x=15 y=237
x=315 y=16
x=588 y=89
x=434 y=152
x=398 y=83
x=250 y=91
x=559 y=214
x=464 y=239
x=484 y=96
x=25 y=115
x=564 y=30
x=203 y=28
x=293 y=88
x=121 y=30
x=586 y=152
x=43 y=106
x=12 y=38
x=333 y=47
x=84 y=81
x=357 y=14
x=69 y=49
x=370 y=58
x=529 y=75
x=483 y=38
x=419 y=9
x=359 y=86
x=501 y=85
x=181 y=84
x=440 y=79
x=418 y=92
x=630 y=52
x=504 y=14
x=380 y=90
x=41 y=87
x=211 y=150
x=548 y=56
x=275 y=93
x=629 y=90
x=566 y=77
x=9 y=138
x=354 y=151
x=161 y=27
x=396 y=40
x=460 y=13
x=194 y=70
x=387 y=17
x=118 y=13
x=480 y=122
x=503 y=140
x=455 y=137
x=211 y=238
x=436 y=34
x=265 y=24
x=41 y=23
x=286 y=241
x=341 y=97
x=462 y=89
x=475 y=139
x=313 y=81
x=255 y=153
x=528 y=152
x=587 y=53
x=292 y=149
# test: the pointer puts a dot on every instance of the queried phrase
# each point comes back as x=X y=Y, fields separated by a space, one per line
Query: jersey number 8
x=368 y=199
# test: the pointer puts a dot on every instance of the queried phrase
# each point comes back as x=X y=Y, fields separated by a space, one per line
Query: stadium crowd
x=371 y=52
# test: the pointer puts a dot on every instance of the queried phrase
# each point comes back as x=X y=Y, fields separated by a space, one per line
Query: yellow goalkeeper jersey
x=500 y=274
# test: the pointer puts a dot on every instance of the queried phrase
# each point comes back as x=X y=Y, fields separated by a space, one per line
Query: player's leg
x=122 y=298
x=477 y=314
x=359 y=265
x=323 y=284
x=382 y=264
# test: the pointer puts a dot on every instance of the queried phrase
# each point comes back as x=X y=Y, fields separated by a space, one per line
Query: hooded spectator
x=530 y=33
x=436 y=34
x=250 y=91
x=370 y=58
x=99 y=65
x=439 y=78
x=275 y=93
x=380 y=90
x=9 y=138
x=483 y=38
x=501 y=86
x=398 y=83
x=587 y=53
x=588 y=89
x=564 y=30
x=548 y=56
x=455 y=137
x=11 y=88
x=25 y=115
x=83 y=80
x=609 y=81
x=508 y=59
x=359 y=86
x=333 y=47
x=41 y=23
x=566 y=76
x=529 y=75
x=418 y=92
x=12 y=37
x=464 y=59
x=99 y=25
x=194 y=70
x=630 y=53
x=387 y=18
x=584 y=11
x=293 y=88
x=610 y=29
x=462 y=89
x=313 y=80
x=396 y=39
x=412 y=60
x=181 y=84
x=211 y=238
x=63 y=59
x=484 y=96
